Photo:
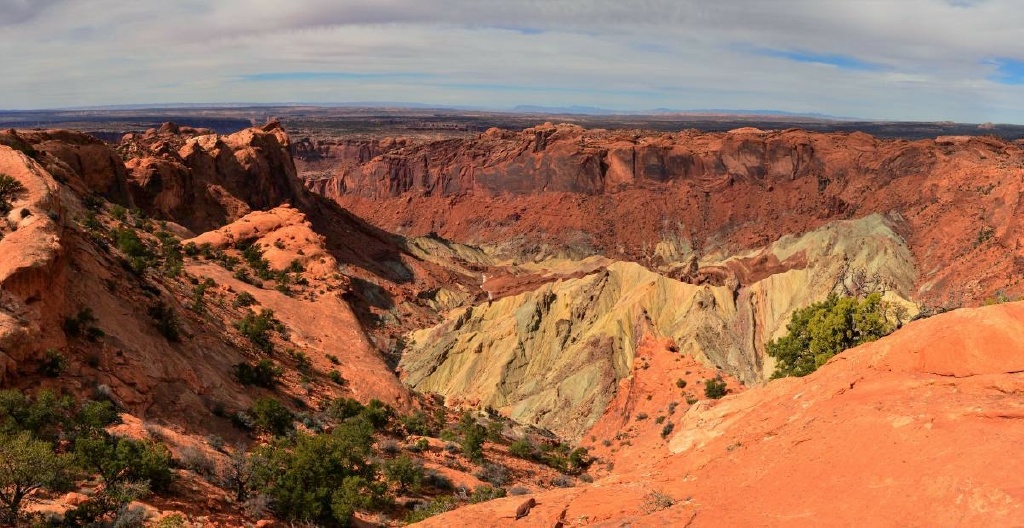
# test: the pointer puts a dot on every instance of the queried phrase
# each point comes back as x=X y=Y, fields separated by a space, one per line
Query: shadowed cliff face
x=633 y=195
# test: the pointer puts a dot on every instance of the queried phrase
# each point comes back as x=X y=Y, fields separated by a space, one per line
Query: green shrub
x=342 y=409
x=485 y=493
x=437 y=506
x=53 y=363
x=120 y=460
x=10 y=190
x=820 y=331
x=320 y=478
x=271 y=416
x=166 y=321
x=404 y=472
x=681 y=383
x=416 y=423
x=336 y=377
x=522 y=448
x=244 y=299
x=262 y=374
x=494 y=474
x=715 y=388
x=257 y=328
x=29 y=465
x=473 y=436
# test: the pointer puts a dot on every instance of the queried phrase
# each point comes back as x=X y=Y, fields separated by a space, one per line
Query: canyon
x=582 y=286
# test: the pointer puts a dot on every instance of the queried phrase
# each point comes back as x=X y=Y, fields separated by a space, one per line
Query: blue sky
x=959 y=60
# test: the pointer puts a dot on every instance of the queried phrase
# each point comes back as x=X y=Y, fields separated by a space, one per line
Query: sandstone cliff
x=632 y=194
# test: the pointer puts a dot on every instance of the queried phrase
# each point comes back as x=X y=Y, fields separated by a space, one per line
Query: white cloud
x=929 y=58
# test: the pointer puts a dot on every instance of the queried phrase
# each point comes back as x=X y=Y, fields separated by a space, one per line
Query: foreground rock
x=911 y=430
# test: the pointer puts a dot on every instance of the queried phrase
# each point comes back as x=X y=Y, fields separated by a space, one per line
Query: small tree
x=26 y=466
x=404 y=472
x=273 y=417
x=10 y=190
x=824 y=329
x=715 y=388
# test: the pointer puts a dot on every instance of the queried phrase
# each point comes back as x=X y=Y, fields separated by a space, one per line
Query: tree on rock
x=824 y=329
x=10 y=190
x=26 y=466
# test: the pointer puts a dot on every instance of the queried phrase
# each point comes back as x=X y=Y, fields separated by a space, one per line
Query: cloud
x=20 y=11
x=912 y=59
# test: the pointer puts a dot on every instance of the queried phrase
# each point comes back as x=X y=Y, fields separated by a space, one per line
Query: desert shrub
x=435 y=507
x=341 y=409
x=681 y=383
x=641 y=416
x=438 y=480
x=263 y=374
x=377 y=413
x=715 y=388
x=120 y=460
x=257 y=327
x=51 y=417
x=110 y=506
x=518 y=490
x=302 y=361
x=128 y=242
x=656 y=500
x=822 y=330
x=271 y=416
x=473 y=436
x=667 y=430
x=199 y=295
x=416 y=423
x=195 y=460
x=336 y=377
x=321 y=478
x=10 y=190
x=81 y=324
x=562 y=481
x=522 y=448
x=29 y=465
x=244 y=299
x=53 y=363
x=494 y=474
x=175 y=520
x=405 y=473
x=166 y=321
x=485 y=493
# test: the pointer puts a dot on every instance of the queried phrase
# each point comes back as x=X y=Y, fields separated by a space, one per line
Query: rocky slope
x=912 y=430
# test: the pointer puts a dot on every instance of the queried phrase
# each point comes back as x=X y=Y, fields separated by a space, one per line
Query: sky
x=934 y=60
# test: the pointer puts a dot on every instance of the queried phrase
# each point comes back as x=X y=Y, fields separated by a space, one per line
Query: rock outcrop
x=206 y=181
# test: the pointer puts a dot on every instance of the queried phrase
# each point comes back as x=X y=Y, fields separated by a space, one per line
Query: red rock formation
x=206 y=181
x=620 y=193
